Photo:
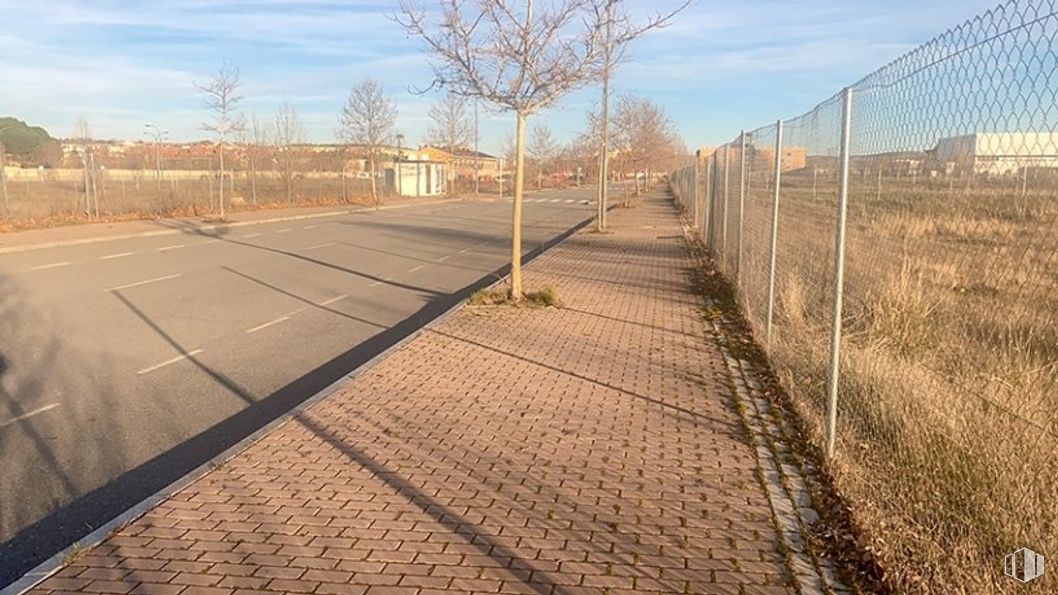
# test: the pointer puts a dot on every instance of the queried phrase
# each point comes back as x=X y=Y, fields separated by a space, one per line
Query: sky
x=720 y=67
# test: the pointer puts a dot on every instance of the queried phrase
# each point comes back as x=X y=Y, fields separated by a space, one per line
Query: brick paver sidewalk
x=594 y=448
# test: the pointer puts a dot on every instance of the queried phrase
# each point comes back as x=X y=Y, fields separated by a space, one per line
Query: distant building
x=793 y=158
x=997 y=153
x=417 y=173
x=465 y=163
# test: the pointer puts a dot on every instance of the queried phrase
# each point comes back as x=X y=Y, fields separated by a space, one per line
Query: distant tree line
x=29 y=146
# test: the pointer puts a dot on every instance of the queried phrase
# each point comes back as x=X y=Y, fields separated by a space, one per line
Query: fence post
x=706 y=198
x=839 y=273
x=741 y=208
x=723 y=228
x=774 y=231
x=697 y=196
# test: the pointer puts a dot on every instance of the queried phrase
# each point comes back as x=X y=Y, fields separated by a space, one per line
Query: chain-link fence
x=93 y=186
x=922 y=257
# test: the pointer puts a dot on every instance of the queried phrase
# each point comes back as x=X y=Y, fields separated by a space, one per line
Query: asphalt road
x=126 y=364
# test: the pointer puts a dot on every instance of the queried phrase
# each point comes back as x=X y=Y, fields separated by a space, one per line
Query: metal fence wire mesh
x=947 y=389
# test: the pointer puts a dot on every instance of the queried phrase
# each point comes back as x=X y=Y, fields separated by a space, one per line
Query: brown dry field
x=948 y=406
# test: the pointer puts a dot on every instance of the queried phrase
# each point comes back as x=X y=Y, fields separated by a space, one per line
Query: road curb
x=56 y=562
x=205 y=229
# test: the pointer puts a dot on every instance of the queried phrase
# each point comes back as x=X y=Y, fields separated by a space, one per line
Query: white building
x=998 y=153
x=414 y=174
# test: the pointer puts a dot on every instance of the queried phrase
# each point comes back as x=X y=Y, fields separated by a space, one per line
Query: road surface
x=126 y=364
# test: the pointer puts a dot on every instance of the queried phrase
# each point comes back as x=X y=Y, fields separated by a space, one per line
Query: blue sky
x=720 y=67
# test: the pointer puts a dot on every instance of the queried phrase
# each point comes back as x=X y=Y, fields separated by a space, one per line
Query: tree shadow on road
x=48 y=452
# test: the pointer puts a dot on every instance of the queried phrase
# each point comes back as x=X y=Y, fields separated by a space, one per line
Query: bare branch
x=451 y=124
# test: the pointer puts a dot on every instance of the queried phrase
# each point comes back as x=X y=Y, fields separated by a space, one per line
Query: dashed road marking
x=173 y=247
x=146 y=282
x=118 y=255
x=416 y=268
x=267 y=324
x=170 y=362
x=53 y=265
x=323 y=245
x=28 y=415
x=334 y=299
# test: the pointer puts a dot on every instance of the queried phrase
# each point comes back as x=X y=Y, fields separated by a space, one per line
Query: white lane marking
x=29 y=414
x=309 y=227
x=148 y=281
x=118 y=255
x=267 y=324
x=334 y=299
x=323 y=245
x=53 y=265
x=464 y=250
x=169 y=362
x=251 y=235
x=568 y=200
x=416 y=268
x=443 y=258
x=173 y=247
x=287 y=230
x=556 y=200
x=210 y=242
x=381 y=281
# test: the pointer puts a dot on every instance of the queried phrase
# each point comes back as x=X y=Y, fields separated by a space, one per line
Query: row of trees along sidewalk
x=523 y=58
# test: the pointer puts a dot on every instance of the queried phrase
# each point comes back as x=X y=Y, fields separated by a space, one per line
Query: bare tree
x=369 y=118
x=451 y=124
x=289 y=132
x=643 y=134
x=514 y=58
x=83 y=137
x=619 y=31
x=544 y=149
x=518 y=59
x=222 y=96
x=81 y=131
x=255 y=140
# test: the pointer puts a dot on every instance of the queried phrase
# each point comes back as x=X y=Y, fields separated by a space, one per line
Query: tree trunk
x=253 y=181
x=87 y=185
x=516 y=211
x=604 y=150
x=374 y=185
x=221 y=195
x=290 y=180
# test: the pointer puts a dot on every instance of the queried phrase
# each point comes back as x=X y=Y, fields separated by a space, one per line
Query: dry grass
x=542 y=298
x=949 y=386
x=47 y=203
